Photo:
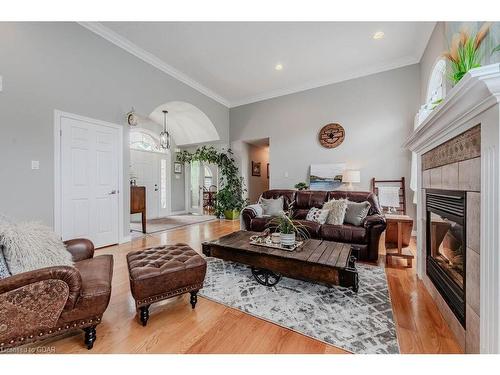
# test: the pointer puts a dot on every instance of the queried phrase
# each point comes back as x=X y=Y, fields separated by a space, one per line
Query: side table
x=397 y=237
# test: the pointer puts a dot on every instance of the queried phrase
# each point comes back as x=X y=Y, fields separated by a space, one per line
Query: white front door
x=152 y=171
x=89 y=181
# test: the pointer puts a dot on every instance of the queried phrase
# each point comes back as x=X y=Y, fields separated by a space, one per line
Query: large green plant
x=231 y=188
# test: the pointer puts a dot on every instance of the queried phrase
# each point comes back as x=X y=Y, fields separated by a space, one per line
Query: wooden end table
x=398 y=237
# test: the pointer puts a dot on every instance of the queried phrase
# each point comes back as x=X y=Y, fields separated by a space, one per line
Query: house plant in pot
x=229 y=202
x=288 y=229
x=229 y=199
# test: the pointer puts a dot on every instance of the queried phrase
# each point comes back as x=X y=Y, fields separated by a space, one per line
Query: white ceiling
x=233 y=62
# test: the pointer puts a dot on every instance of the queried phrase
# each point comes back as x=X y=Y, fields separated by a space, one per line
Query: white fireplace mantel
x=474 y=100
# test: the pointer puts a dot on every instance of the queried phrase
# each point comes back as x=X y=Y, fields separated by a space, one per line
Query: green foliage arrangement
x=301 y=186
x=464 y=53
x=231 y=188
x=496 y=49
x=284 y=224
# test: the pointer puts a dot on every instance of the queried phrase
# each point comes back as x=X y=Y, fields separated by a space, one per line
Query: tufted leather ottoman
x=163 y=272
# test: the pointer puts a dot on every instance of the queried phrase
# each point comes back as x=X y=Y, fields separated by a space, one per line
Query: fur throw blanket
x=29 y=246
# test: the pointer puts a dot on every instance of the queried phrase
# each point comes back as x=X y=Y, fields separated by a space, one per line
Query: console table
x=138 y=203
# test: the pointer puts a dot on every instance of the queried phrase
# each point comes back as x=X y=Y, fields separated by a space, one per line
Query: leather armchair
x=50 y=301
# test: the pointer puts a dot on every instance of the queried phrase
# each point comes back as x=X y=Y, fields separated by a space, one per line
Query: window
x=208 y=179
x=435 y=88
x=144 y=141
x=163 y=184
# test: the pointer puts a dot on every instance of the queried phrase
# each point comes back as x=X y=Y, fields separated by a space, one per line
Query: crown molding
x=122 y=42
x=405 y=61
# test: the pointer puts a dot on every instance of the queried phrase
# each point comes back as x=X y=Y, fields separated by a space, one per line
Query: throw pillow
x=317 y=215
x=337 y=209
x=272 y=207
x=30 y=246
x=4 y=271
x=356 y=212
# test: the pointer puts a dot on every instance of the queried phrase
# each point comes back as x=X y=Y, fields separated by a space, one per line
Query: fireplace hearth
x=446 y=246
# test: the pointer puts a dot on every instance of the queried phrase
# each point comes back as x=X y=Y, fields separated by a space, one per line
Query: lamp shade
x=351 y=176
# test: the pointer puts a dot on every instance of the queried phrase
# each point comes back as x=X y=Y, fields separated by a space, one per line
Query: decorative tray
x=266 y=242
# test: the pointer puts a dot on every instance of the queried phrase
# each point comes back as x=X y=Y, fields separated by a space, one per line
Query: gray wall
x=433 y=52
x=47 y=66
x=376 y=112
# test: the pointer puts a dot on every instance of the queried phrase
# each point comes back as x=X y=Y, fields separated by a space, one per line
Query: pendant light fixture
x=164 y=135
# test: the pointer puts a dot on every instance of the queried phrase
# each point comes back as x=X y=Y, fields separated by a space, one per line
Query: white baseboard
x=125 y=239
x=182 y=212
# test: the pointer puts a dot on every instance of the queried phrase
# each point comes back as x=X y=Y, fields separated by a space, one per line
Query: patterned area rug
x=170 y=222
x=360 y=323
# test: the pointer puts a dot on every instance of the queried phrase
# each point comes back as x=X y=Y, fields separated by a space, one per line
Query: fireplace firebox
x=446 y=246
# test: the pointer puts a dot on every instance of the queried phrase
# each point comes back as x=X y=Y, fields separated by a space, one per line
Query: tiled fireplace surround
x=456 y=165
x=458 y=148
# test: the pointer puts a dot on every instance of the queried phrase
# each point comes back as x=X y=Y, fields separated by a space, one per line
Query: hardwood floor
x=213 y=328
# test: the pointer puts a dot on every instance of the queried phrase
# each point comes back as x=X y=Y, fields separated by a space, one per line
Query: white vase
x=287 y=239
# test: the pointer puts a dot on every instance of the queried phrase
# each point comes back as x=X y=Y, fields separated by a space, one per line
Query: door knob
x=112 y=192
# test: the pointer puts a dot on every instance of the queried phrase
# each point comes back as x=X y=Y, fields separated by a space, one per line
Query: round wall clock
x=331 y=135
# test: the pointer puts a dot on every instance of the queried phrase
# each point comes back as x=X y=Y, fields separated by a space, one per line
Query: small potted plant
x=301 y=186
x=288 y=229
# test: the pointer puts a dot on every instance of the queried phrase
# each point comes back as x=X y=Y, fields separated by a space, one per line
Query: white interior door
x=146 y=166
x=89 y=181
x=195 y=187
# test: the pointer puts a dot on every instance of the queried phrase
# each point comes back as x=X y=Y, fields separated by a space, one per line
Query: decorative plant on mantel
x=229 y=198
x=464 y=53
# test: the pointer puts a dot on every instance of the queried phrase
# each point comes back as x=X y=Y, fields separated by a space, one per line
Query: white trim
x=405 y=61
x=58 y=115
x=125 y=239
x=155 y=61
x=181 y=212
x=474 y=100
x=446 y=120
x=151 y=59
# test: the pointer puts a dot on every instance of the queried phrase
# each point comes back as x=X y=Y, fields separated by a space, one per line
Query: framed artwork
x=177 y=167
x=326 y=176
x=267 y=170
x=255 y=168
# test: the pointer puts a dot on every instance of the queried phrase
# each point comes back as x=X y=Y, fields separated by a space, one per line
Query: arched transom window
x=143 y=140
x=435 y=88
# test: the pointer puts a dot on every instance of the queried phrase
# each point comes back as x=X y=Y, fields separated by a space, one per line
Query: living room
x=312 y=186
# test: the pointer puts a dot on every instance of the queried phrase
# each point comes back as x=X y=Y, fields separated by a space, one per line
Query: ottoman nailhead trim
x=167 y=295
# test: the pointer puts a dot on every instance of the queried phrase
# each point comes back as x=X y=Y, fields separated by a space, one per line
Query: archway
x=187 y=124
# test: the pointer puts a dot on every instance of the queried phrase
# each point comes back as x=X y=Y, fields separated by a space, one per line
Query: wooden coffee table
x=320 y=261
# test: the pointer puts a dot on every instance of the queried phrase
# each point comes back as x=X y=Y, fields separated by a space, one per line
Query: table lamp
x=351 y=176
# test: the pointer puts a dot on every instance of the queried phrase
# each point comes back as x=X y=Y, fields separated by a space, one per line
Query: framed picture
x=255 y=168
x=267 y=170
x=326 y=176
x=177 y=167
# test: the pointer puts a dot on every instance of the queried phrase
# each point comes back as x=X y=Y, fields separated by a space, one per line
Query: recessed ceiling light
x=278 y=67
x=378 y=35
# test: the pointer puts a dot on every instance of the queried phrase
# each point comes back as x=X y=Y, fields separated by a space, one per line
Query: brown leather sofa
x=50 y=301
x=365 y=238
